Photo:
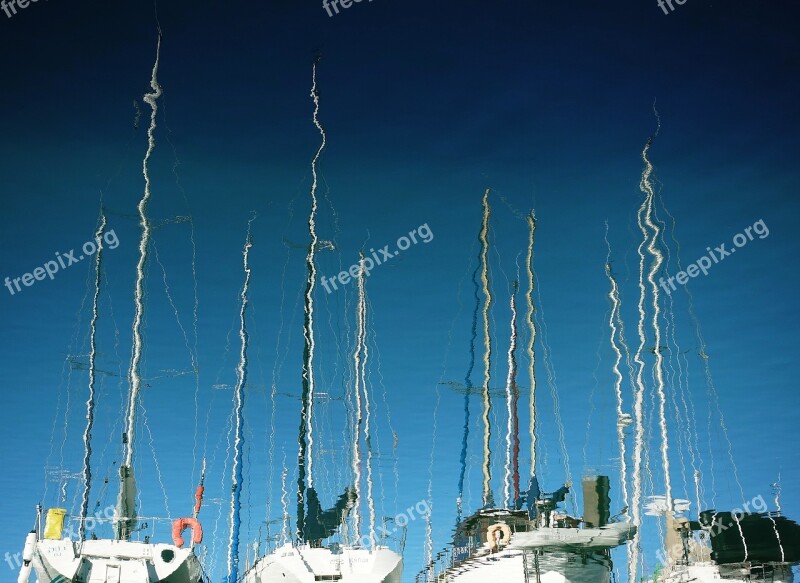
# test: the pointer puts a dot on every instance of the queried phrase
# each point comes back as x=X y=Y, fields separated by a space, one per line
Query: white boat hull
x=711 y=573
x=543 y=555
x=114 y=561
x=529 y=566
x=291 y=564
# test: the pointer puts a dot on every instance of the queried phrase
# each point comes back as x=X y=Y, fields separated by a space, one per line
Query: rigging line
x=711 y=455
x=626 y=351
x=600 y=441
x=172 y=305
x=693 y=439
x=467 y=393
x=338 y=314
x=277 y=366
x=282 y=358
x=551 y=382
x=67 y=367
x=646 y=187
x=238 y=395
x=195 y=358
x=249 y=437
x=653 y=495
x=617 y=339
x=228 y=425
x=531 y=220
x=487 y=355
x=687 y=400
x=119 y=416
x=622 y=417
x=673 y=363
x=134 y=376
x=711 y=391
x=151 y=444
x=338 y=309
x=90 y=400
x=196 y=305
x=381 y=381
x=326 y=375
x=375 y=439
x=305 y=455
x=428 y=546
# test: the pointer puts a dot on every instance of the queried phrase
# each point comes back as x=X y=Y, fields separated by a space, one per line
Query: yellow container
x=54 y=524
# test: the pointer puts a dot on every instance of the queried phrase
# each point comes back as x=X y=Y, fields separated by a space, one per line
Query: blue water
x=423 y=107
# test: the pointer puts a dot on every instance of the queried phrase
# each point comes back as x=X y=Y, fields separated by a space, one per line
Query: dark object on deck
x=321 y=524
x=769 y=537
x=596 y=503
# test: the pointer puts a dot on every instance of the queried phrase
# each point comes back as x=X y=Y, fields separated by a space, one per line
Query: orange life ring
x=181 y=524
x=505 y=535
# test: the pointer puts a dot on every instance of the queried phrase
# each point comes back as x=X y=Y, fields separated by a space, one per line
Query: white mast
x=126 y=505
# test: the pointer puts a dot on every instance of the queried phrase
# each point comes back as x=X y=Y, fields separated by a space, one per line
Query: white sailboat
x=52 y=552
x=507 y=545
x=527 y=539
x=303 y=563
x=68 y=561
x=307 y=558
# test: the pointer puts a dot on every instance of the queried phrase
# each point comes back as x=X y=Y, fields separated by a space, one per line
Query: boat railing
x=448 y=558
x=272 y=535
x=394 y=536
x=102 y=526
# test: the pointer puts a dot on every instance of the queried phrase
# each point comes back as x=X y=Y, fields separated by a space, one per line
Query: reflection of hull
x=64 y=561
x=534 y=566
x=745 y=548
x=609 y=536
x=291 y=564
x=544 y=555
x=711 y=573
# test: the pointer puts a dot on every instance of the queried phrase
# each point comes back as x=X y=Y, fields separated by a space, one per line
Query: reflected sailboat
x=308 y=558
x=50 y=550
x=529 y=537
